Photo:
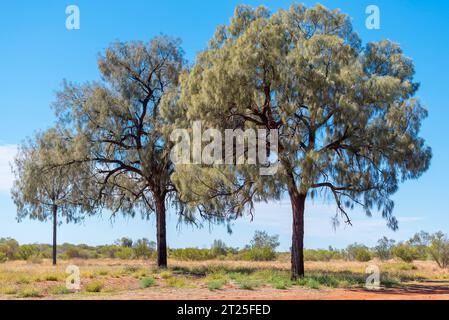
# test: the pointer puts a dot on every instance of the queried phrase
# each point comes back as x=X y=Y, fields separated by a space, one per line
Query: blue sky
x=38 y=52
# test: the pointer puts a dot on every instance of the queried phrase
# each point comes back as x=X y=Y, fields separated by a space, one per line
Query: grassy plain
x=221 y=280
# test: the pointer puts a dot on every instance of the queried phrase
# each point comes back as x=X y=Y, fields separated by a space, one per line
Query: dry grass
x=99 y=278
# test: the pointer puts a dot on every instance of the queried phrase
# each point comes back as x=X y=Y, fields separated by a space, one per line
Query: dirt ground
x=411 y=292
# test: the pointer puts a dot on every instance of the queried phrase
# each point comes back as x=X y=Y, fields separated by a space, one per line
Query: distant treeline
x=422 y=246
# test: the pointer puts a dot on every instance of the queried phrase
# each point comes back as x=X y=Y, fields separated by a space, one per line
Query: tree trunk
x=55 y=227
x=161 y=233
x=298 y=205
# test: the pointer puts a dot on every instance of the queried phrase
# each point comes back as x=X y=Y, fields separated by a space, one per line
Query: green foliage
x=192 y=254
x=29 y=293
x=27 y=251
x=309 y=283
x=144 y=249
x=322 y=255
x=262 y=248
x=384 y=247
x=219 y=248
x=60 y=290
x=95 y=286
x=358 y=252
x=259 y=254
x=178 y=282
x=125 y=242
x=439 y=249
x=405 y=252
x=248 y=284
x=262 y=239
x=8 y=249
x=216 y=284
x=421 y=242
x=117 y=130
x=147 y=282
x=125 y=253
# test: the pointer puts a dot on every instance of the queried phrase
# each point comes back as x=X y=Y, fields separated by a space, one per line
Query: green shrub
x=216 y=284
x=439 y=249
x=405 y=252
x=147 y=282
x=144 y=249
x=322 y=255
x=309 y=283
x=219 y=248
x=166 y=274
x=9 y=248
x=384 y=248
x=177 y=282
x=60 y=290
x=192 y=254
x=125 y=253
x=27 y=251
x=280 y=284
x=260 y=254
x=358 y=252
x=8 y=290
x=96 y=286
x=29 y=293
x=248 y=284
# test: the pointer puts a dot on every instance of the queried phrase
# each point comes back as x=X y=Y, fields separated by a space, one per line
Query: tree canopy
x=346 y=113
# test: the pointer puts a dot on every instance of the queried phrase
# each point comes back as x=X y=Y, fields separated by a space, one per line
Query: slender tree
x=116 y=125
x=44 y=192
x=345 y=113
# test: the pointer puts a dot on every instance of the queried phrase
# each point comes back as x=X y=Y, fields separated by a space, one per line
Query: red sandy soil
x=412 y=291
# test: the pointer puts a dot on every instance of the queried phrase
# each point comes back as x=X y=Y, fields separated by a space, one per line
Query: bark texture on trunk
x=161 y=233
x=298 y=205
x=55 y=228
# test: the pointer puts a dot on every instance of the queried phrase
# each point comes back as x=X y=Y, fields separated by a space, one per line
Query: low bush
x=216 y=284
x=30 y=293
x=358 y=252
x=60 y=290
x=147 y=282
x=192 y=254
x=405 y=252
x=322 y=255
x=96 y=286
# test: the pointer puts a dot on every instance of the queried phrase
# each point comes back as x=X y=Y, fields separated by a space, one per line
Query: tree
x=346 y=115
x=421 y=242
x=439 y=249
x=384 y=247
x=219 y=248
x=125 y=242
x=116 y=125
x=262 y=239
x=41 y=191
x=143 y=248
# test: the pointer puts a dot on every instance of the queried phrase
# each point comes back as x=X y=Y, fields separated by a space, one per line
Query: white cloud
x=7 y=154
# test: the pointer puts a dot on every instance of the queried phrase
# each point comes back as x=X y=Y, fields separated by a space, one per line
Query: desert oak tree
x=116 y=124
x=346 y=113
x=42 y=191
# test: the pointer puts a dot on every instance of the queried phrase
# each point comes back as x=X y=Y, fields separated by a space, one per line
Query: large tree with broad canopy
x=346 y=114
